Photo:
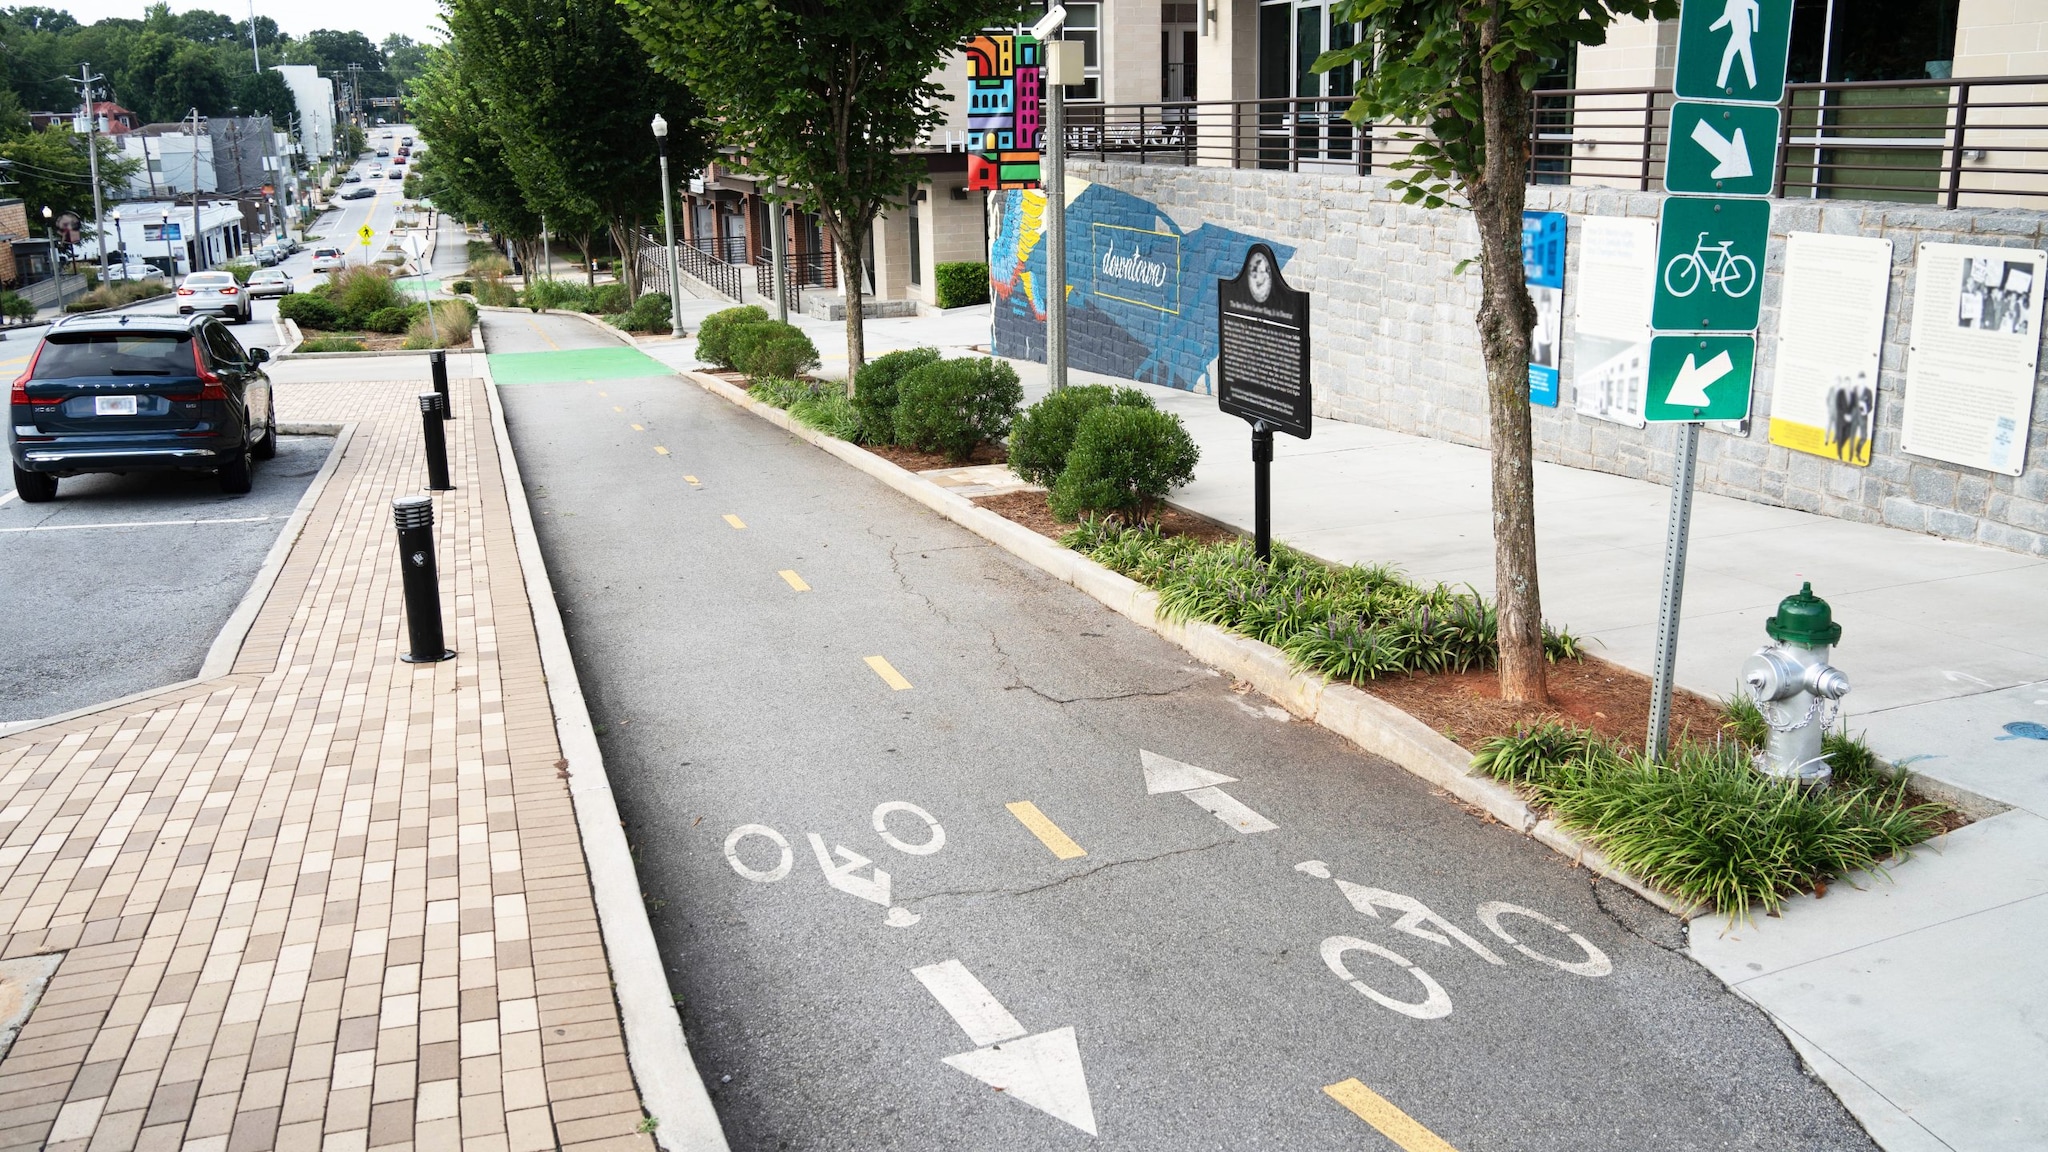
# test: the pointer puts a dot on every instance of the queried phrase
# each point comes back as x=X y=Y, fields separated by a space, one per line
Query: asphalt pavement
x=943 y=854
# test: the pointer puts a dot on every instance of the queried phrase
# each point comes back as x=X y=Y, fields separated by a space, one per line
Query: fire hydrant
x=1796 y=688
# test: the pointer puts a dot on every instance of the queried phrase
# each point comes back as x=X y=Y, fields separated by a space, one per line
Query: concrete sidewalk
x=327 y=900
x=1918 y=997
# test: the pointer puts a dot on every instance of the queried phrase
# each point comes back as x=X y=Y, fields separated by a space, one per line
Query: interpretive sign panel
x=1543 y=235
x=1611 y=313
x=1830 y=336
x=1262 y=366
x=1710 y=262
x=1733 y=50
x=1975 y=345
x=1700 y=377
x=1722 y=149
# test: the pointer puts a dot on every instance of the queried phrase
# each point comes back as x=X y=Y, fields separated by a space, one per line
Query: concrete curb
x=227 y=643
x=1360 y=717
x=663 y=1069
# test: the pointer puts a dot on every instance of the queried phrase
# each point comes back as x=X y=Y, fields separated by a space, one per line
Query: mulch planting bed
x=1589 y=693
x=911 y=460
x=1033 y=510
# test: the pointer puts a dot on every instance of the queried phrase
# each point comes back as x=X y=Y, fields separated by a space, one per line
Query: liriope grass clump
x=1355 y=623
x=1703 y=824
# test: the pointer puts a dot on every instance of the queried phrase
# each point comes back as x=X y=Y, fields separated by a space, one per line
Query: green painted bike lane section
x=574 y=365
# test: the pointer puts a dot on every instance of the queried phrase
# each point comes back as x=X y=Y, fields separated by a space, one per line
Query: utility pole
x=253 y=49
x=86 y=80
x=198 y=234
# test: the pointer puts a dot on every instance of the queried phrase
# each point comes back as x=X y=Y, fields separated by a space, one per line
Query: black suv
x=139 y=393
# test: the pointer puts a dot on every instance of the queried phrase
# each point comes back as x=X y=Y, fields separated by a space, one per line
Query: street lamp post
x=668 y=226
x=164 y=232
x=56 y=268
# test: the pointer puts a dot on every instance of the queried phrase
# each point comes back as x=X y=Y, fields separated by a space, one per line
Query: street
x=905 y=817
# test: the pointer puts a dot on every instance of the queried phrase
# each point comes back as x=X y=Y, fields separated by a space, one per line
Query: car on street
x=215 y=292
x=383 y=151
x=132 y=270
x=351 y=178
x=138 y=393
x=362 y=192
x=376 y=170
x=396 y=174
x=266 y=256
x=269 y=282
x=328 y=259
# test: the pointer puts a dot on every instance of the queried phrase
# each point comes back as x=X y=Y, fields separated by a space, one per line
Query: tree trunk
x=626 y=241
x=848 y=237
x=1505 y=318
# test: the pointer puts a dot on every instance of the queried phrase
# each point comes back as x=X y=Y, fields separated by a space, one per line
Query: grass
x=1355 y=623
x=823 y=405
x=1704 y=825
x=332 y=344
x=452 y=321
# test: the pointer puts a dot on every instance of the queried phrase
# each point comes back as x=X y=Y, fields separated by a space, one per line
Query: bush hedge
x=650 y=313
x=875 y=390
x=1045 y=432
x=542 y=294
x=715 y=334
x=955 y=406
x=1124 y=461
x=771 y=348
x=606 y=300
x=958 y=285
x=392 y=320
x=309 y=310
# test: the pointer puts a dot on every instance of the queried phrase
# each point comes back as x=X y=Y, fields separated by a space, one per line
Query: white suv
x=328 y=259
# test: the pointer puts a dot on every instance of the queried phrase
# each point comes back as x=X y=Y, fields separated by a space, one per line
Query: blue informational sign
x=1543 y=266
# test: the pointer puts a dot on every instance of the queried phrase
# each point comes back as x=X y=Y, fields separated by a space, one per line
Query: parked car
x=361 y=193
x=132 y=270
x=215 y=292
x=266 y=256
x=351 y=178
x=328 y=259
x=134 y=393
x=269 y=282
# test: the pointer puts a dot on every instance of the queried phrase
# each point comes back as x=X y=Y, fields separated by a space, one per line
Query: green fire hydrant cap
x=1804 y=619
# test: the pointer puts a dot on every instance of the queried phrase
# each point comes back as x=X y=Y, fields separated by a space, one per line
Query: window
x=1084 y=25
x=72 y=355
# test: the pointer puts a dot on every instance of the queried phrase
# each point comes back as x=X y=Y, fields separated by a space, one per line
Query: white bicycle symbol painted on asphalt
x=1713 y=263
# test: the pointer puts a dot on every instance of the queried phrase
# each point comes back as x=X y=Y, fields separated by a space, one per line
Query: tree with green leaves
x=830 y=97
x=50 y=169
x=464 y=170
x=1459 y=74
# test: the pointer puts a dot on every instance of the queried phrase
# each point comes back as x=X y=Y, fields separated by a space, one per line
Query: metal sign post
x=1064 y=65
x=1712 y=239
x=1262 y=370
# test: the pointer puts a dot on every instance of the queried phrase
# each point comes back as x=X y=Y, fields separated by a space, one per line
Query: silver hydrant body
x=1796 y=688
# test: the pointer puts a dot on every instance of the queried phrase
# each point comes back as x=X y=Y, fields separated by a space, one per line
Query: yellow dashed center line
x=1392 y=1123
x=734 y=520
x=793 y=580
x=616 y=408
x=543 y=335
x=603 y=393
x=638 y=428
x=888 y=673
x=691 y=479
x=1048 y=833
x=660 y=451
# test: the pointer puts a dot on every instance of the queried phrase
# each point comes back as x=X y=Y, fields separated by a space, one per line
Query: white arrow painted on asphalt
x=1732 y=155
x=1165 y=774
x=1690 y=389
x=1043 y=1071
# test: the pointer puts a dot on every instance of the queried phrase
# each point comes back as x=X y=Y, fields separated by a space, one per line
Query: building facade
x=314 y=95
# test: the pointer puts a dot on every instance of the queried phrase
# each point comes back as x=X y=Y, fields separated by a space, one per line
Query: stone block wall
x=1395 y=346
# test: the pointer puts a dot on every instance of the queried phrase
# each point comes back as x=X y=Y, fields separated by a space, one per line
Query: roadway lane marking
x=795 y=581
x=1392 y=1123
x=888 y=673
x=1165 y=774
x=660 y=451
x=638 y=428
x=971 y=1005
x=691 y=479
x=734 y=520
x=139 y=524
x=1043 y=1070
x=1048 y=833
x=537 y=331
x=6 y=496
x=616 y=408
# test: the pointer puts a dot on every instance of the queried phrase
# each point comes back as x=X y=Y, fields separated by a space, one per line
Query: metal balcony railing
x=1944 y=142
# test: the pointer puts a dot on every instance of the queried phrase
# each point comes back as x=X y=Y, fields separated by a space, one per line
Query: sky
x=373 y=18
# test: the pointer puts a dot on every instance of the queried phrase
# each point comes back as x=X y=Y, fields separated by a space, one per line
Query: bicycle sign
x=1710 y=256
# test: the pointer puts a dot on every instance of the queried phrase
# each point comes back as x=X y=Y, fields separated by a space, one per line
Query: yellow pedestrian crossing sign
x=366 y=234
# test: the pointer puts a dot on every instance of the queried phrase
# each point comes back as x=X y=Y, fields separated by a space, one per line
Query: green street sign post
x=1733 y=50
x=1699 y=378
x=1722 y=149
x=1710 y=264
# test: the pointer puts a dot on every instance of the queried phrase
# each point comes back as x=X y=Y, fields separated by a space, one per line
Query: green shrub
x=779 y=393
x=955 y=406
x=830 y=411
x=541 y=294
x=451 y=325
x=1045 y=432
x=650 y=313
x=120 y=292
x=874 y=390
x=390 y=320
x=1123 y=461
x=464 y=287
x=359 y=292
x=958 y=285
x=332 y=344
x=771 y=348
x=606 y=300
x=488 y=264
x=309 y=310
x=15 y=306
x=495 y=293
x=241 y=271
x=714 y=335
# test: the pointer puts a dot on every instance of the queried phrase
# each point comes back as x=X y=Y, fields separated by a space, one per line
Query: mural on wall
x=1141 y=293
x=1004 y=129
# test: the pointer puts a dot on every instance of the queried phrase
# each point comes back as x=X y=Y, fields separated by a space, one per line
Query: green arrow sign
x=1699 y=378
x=1710 y=263
x=1733 y=50
x=1722 y=149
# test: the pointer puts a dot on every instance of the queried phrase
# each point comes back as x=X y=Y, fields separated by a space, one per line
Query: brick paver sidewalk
x=331 y=900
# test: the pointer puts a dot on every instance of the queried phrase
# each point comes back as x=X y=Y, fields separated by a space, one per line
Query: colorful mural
x=1141 y=293
x=1004 y=131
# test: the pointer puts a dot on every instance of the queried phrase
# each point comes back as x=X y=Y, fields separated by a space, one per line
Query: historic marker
x=1262 y=370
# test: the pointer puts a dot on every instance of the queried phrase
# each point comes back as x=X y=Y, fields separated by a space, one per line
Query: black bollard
x=439 y=360
x=415 y=518
x=431 y=413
